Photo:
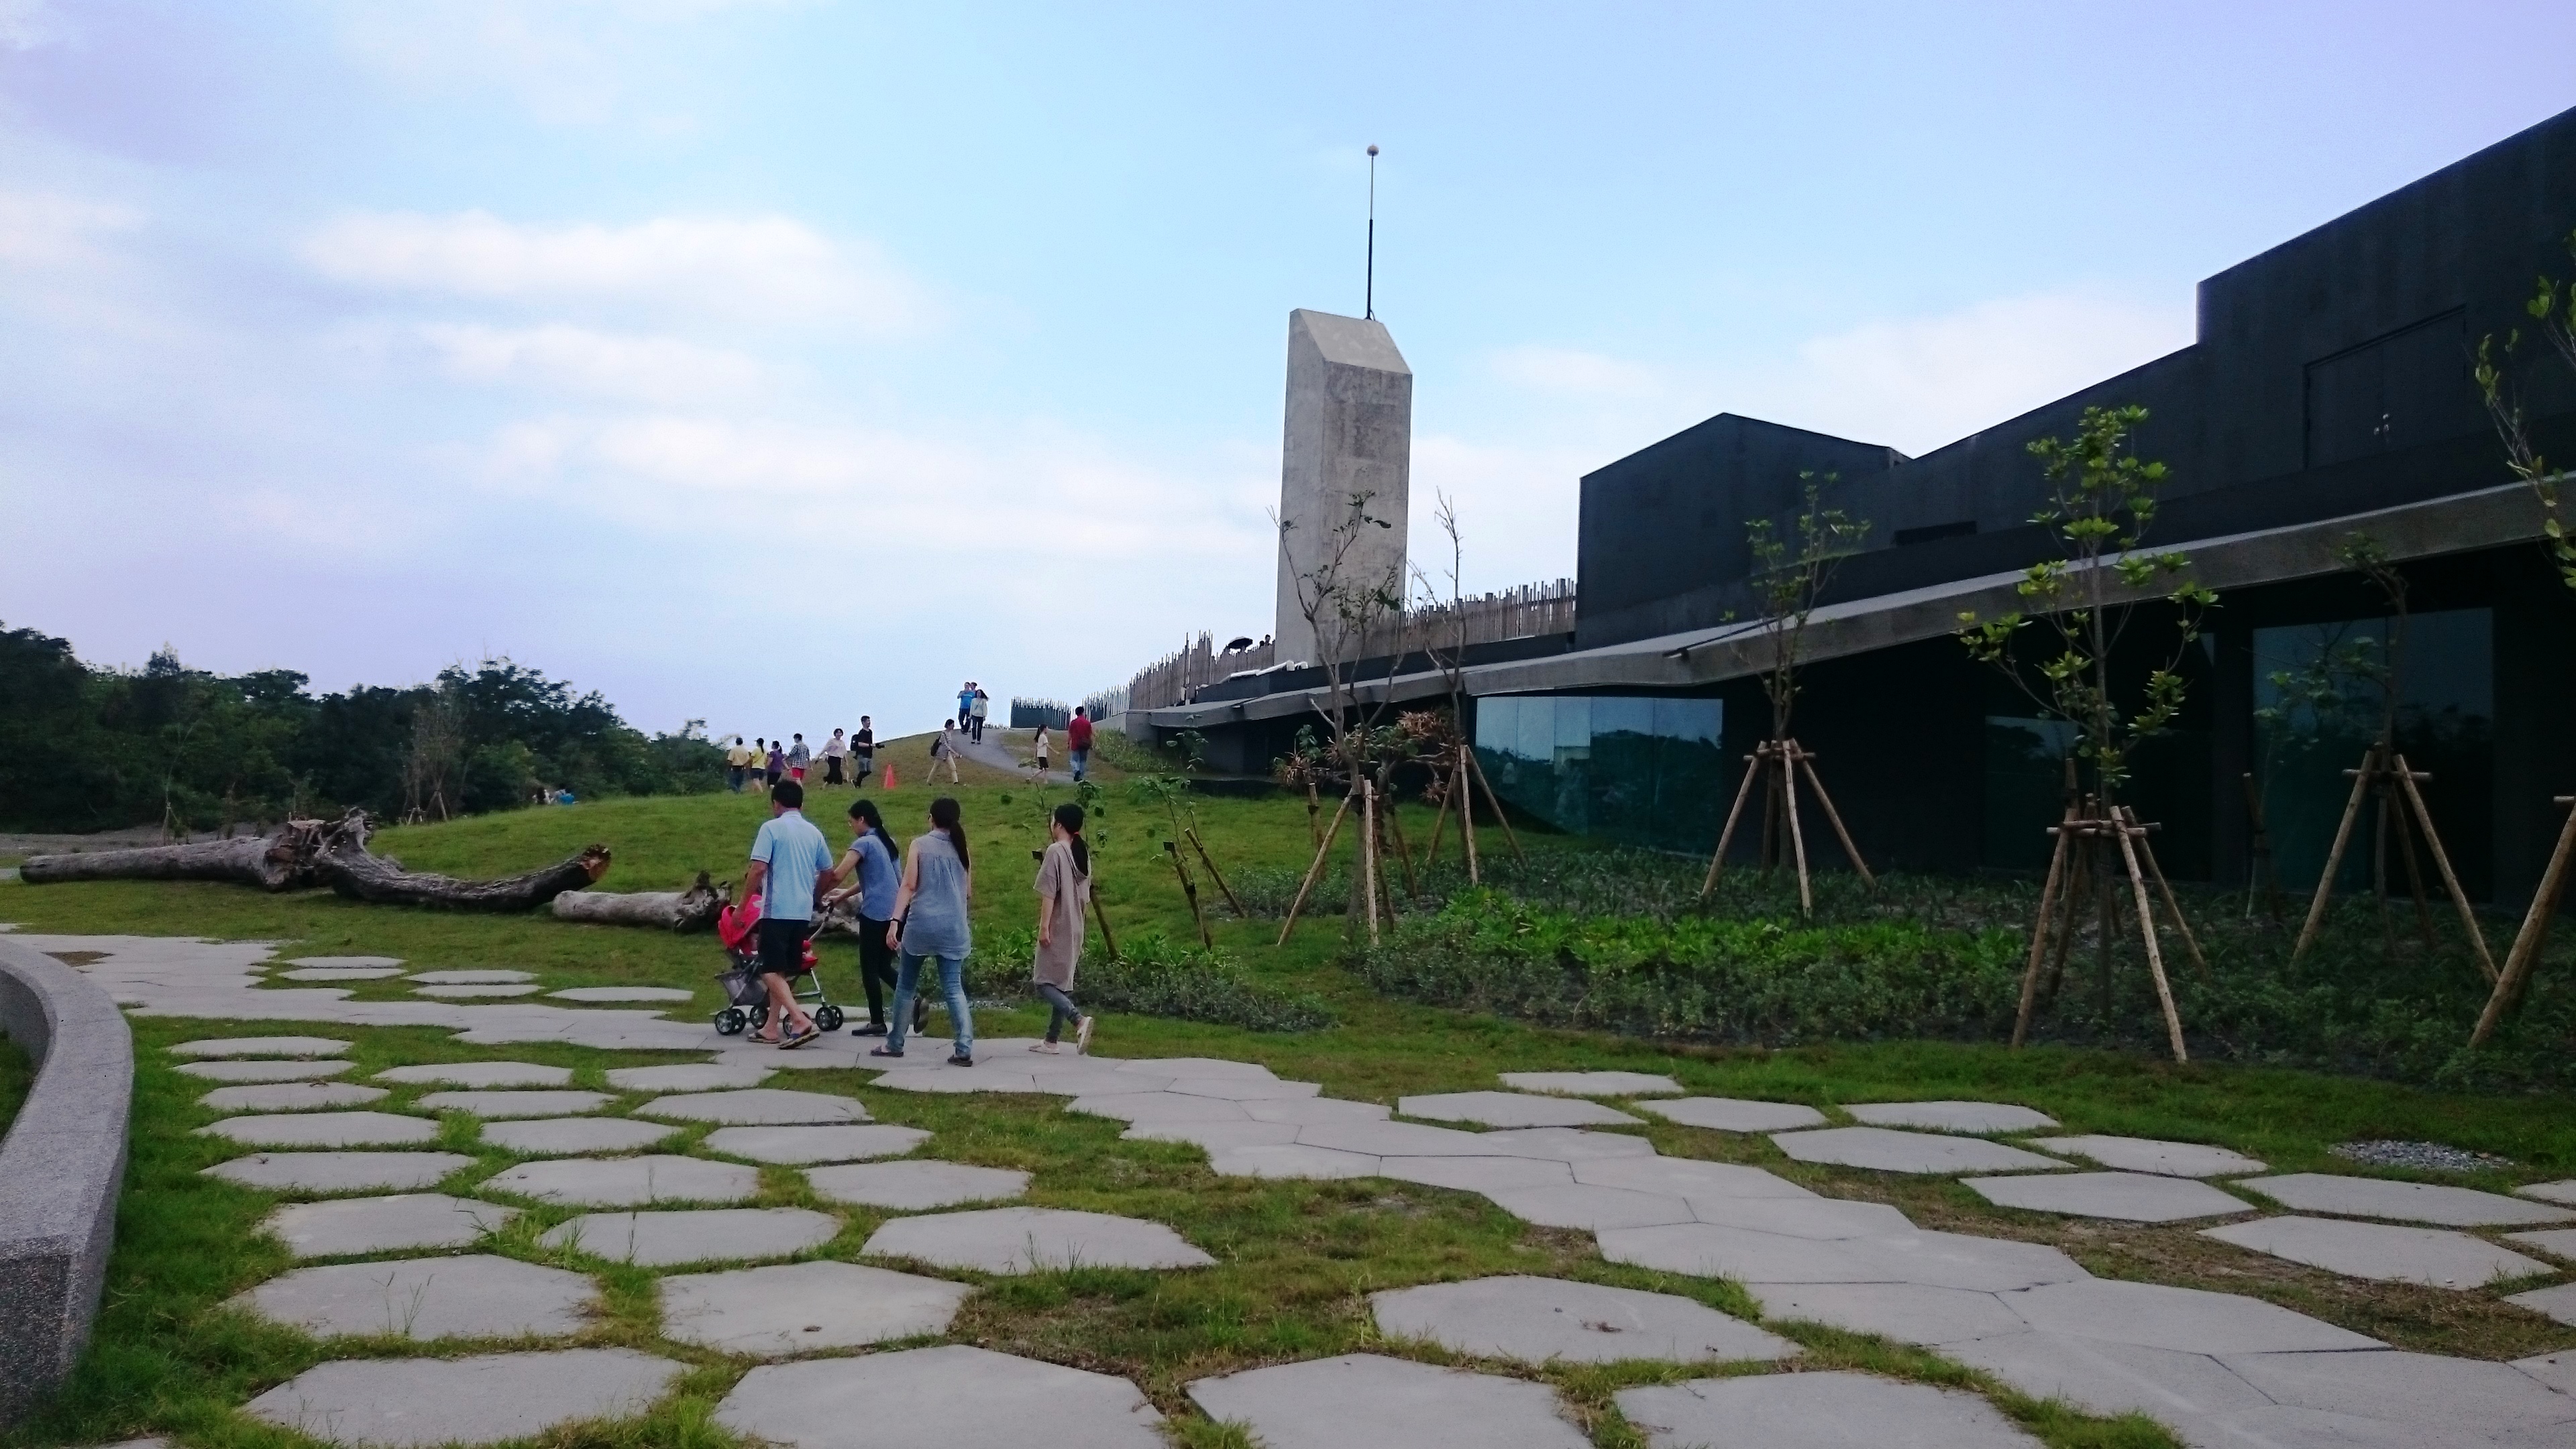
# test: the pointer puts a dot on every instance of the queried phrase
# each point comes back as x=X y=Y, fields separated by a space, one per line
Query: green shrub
x=1153 y=976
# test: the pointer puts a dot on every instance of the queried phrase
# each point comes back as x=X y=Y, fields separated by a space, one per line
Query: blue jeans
x=952 y=983
x=1078 y=759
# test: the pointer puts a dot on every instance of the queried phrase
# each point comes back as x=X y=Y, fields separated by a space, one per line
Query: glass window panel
x=1638 y=768
x=1538 y=730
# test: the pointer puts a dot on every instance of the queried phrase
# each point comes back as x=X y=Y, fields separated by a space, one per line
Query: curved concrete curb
x=60 y=1168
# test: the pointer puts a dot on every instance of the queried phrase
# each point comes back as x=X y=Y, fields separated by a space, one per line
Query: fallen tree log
x=344 y=863
x=693 y=909
x=265 y=862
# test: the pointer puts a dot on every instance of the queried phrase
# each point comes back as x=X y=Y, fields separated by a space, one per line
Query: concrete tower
x=1349 y=433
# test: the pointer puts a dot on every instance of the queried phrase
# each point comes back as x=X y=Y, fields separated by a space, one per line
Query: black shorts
x=782 y=947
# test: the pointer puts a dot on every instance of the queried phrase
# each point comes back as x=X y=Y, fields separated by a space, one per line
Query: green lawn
x=1296 y=1260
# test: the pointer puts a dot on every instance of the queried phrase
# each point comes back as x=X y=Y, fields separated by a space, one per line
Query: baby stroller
x=746 y=1002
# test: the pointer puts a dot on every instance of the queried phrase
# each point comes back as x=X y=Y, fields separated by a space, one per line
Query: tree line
x=84 y=748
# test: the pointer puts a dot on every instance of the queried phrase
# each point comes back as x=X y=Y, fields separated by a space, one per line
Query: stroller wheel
x=828 y=1017
x=730 y=1021
x=760 y=1016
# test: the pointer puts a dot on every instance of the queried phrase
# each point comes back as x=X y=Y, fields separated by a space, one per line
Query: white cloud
x=568 y=62
x=1567 y=370
x=600 y=364
x=41 y=229
x=769 y=268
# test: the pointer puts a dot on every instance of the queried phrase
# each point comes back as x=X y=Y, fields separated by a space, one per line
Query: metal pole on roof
x=1368 y=306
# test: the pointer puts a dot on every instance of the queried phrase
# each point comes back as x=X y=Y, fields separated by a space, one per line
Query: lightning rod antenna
x=1368 y=307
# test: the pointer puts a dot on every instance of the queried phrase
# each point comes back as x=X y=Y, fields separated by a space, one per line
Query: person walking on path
x=835 y=750
x=982 y=705
x=944 y=750
x=798 y=758
x=789 y=864
x=1044 y=747
x=737 y=763
x=965 y=703
x=863 y=747
x=1064 y=884
x=777 y=763
x=872 y=866
x=1077 y=741
x=931 y=924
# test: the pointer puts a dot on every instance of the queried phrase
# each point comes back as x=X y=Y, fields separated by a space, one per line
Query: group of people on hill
x=768 y=761
x=972 y=705
x=913 y=907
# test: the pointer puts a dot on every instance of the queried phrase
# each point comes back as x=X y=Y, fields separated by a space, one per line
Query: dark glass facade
x=1647 y=770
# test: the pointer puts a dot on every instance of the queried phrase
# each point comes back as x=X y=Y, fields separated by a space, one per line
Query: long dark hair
x=1069 y=815
x=865 y=812
x=943 y=813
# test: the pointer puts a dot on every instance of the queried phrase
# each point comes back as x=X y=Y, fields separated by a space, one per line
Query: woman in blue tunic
x=931 y=924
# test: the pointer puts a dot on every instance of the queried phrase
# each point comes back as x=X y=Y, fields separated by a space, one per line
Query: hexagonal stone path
x=1690 y=1177
x=2136 y=1197
x=289 y=1097
x=1141 y=1107
x=1538 y=1319
x=477 y=1296
x=2101 y=1377
x=690 y=1076
x=2186 y=1320
x=1735 y=1114
x=1513 y=1109
x=1817 y=1411
x=2412 y=1202
x=262 y=1046
x=473 y=978
x=2146 y=1154
x=947 y=1395
x=1905 y=1312
x=252 y=1070
x=514 y=1104
x=340 y=1171
x=1951 y=1116
x=1934 y=1259
x=2435 y=1397
x=323 y=1129
x=478 y=1075
x=1214 y=1136
x=2382 y=1252
x=406 y=1223
x=570 y=1136
x=1034 y=1240
x=470 y=992
x=2563 y=1192
x=2558 y=1302
x=1884 y=1150
x=2557 y=1242
x=416 y=1403
x=1591 y=1084
x=621 y=993
x=707 y=1235
x=346 y=962
x=1482 y=1175
x=917 y=1185
x=799 y=1145
x=1292 y=1160
x=628 y=1181
x=1369 y=1401
x=799 y=1307
x=339 y=973
x=757 y=1107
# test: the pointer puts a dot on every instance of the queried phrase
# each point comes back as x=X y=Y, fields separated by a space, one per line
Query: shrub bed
x=1153 y=976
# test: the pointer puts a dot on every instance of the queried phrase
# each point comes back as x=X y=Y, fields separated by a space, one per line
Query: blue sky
x=773 y=362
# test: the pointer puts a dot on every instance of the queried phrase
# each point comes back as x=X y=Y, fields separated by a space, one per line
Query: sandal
x=789 y=1044
x=885 y=1051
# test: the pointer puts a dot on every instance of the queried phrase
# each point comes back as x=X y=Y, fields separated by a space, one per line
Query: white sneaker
x=1082 y=1036
x=1043 y=1046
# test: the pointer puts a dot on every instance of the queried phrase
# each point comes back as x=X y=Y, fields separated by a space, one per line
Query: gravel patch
x=2422 y=1156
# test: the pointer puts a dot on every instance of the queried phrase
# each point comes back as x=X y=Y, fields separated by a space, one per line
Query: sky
x=767 y=363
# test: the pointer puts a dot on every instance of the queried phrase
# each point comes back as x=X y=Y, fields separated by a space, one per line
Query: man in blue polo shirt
x=789 y=862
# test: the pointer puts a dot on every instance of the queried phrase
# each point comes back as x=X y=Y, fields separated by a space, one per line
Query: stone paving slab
x=1905 y=1312
x=339 y=973
x=1591 y=1084
x=1941 y=1260
x=1817 y=1411
x=290 y=1097
x=2557 y=1242
x=2559 y=1302
x=950 y=1395
x=2107 y=1378
x=1562 y=1144
x=506 y=1104
x=621 y=993
x=958 y=1081
x=2187 y=1320
x=1293 y=1160
x=1535 y=1320
x=346 y=963
x=572 y=1136
x=2553 y=1370
x=1214 y=1136
x=691 y=1077
x=340 y=1227
x=1735 y=1114
x=628 y=1181
x=2414 y=1202
x=1971 y=1117
x=2420 y=1390
x=474 y=978
x=1512 y=1109
x=472 y=993
x=2146 y=1154
x=1193 y=1067
x=916 y=1185
x=800 y=1145
x=417 y=1403
x=1369 y=1401
x=1485 y=1175
x=1243 y=1089
x=476 y=1296
x=323 y=1129
x=2562 y=1192
x=1825 y=1219
x=251 y=1070
x=340 y=1171
x=262 y=1046
x=1885 y=1150
x=1316 y=1111
x=2381 y=1252
x=480 y=1075
x=1589 y=1208
x=2134 y=1197
x=1964 y=1260
x=1687 y=1177
x=791 y=1308
x=757 y=1107
x=1140 y=1107
x=1033 y=1240
x=704 y=1235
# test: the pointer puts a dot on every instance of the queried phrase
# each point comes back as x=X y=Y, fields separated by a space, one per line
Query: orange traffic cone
x=889 y=777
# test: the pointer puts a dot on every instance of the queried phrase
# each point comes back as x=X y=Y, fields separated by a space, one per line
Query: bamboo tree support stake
x=2079 y=888
x=2147 y=933
x=1496 y=801
x=2164 y=888
x=2401 y=817
x=1314 y=836
x=1753 y=766
x=2450 y=879
x=2334 y=856
x=1797 y=835
x=1467 y=820
x=1404 y=851
x=1368 y=854
x=1102 y=917
x=1190 y=888
x=1322 y=850
x=2039 y=928
x=1193 y=837
x=2525 y=953
x=1851 y=852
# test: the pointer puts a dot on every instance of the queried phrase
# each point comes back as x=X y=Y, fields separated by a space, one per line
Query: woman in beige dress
x=1064 y=884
